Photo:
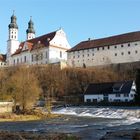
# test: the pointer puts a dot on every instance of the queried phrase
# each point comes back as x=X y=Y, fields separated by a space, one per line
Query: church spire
x=30 y=31
x=13 y=23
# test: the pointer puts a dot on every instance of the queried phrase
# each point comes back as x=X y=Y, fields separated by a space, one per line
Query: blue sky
x=80 y=19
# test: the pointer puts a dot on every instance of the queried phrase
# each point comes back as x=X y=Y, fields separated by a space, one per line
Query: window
x=121 y=45
x=128 y=44
x=60 y=54
x=122 y=53
x=83 y=55
x=93 y=54
x=88 y=55
x=24 y=58
x=14 y=61
x=97 y=49
x=115 y=47
x=46 y=54
x=73 y=56
x=132 y=95
x=126 y=95
x=136 y=51
x=103 y=48
x=88 y=100
x=17 y=60
x=128 y=52
x=115 y=54
x=41 y=56
x=118 y=95
x=32 y=57
x=78 y=56
x=136 y=44
x=87 y=50
x=108 y=47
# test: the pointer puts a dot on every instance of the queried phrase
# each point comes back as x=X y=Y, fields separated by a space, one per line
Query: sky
x=80 y=19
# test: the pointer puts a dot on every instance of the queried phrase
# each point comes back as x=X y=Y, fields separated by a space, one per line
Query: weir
x=131 y=114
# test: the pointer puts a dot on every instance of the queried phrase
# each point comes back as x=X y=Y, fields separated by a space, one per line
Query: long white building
x=45 y=49
x=124 y=48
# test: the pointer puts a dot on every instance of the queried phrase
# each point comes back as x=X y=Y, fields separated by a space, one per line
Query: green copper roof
x=30 y=27
x=13 y=23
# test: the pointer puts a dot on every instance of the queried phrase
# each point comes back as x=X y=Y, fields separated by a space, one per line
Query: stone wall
x=6 y=107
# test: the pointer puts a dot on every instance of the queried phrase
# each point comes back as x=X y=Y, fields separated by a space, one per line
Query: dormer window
x=48 y=39
x=39 y=42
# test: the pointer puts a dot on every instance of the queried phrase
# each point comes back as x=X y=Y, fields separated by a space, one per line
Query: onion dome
x=30 y=27
x=13 y=23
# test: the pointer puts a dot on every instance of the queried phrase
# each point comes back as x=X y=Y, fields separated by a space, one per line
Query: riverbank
x=122 y=135
x=12 y=117
x=6 y=135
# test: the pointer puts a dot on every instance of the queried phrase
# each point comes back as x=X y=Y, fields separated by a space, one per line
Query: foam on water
x=130 y=115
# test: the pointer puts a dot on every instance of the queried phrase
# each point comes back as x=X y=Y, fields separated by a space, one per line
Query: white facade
x=30 y=36
x=55 y=52
x=105 y=55
x=12 y=44
x=122 y=97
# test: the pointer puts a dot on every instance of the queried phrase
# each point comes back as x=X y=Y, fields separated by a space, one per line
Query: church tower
x=30 y=31
x=12 y=43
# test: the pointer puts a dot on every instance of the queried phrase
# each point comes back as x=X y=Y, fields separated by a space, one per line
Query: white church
x=54 y=48
x=45 y=49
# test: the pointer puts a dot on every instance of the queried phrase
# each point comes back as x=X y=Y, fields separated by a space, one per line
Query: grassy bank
x=9 y=117
x=6 y=135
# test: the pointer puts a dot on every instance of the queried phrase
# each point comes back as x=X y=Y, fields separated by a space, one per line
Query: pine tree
x=137 y=97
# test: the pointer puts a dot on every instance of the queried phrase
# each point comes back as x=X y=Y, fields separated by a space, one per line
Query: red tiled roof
x=36 y=42
x=2 y=57
x=113 y=40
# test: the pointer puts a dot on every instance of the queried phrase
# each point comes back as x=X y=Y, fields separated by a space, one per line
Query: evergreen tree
x=137 y=97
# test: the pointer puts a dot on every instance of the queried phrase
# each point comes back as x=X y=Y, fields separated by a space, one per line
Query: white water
x=130 y=115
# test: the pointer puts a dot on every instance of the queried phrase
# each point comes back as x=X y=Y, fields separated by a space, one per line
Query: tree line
x=26 y=84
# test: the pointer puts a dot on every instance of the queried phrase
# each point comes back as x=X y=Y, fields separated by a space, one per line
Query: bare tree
x=24 y=88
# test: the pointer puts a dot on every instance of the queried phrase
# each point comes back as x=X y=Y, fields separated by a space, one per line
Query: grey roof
x=109 y=88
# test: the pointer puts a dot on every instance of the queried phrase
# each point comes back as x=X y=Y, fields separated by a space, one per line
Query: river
x=90 y=123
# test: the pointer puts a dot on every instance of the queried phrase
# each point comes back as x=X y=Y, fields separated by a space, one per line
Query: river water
x=90 y=123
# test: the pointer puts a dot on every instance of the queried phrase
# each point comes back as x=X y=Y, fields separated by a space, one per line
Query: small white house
x=110 y=92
